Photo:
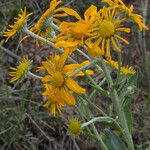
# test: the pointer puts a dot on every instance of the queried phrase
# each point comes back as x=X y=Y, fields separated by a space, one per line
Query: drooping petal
x=70 y=12
x=71 y=84
x=123 y=29
x=53 y=109
x=67 y=96
x=63 y=59
x=90 y=11
x=46 y=78
x=124 y=40
x=115 y=44
x=108 y=55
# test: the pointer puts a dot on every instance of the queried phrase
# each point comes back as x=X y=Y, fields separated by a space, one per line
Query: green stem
x=83 y=54
x=118 y=107
x=41 y=39
x=34 y=75
x=55 y=27
x=99 y=138
x=98 y=109
x=39 y=127
x=88 y=117
x=82 y=68
x=45 y=41
x=101 y=119
x=18 y=58
x=119 y=67
x=94 y=91
x=9 y=53
x=101 y=91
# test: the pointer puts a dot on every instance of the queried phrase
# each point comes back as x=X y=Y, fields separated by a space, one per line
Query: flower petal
x=67 y=96
x=70 y=12
x=71 y=84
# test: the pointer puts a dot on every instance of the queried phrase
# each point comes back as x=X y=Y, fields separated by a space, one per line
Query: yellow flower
x=42 y=27
x=20 y=72
x=128 y=11
x=74 y=127
x=125 y=70
x=76 y=32
x=18 y=25
x=108 y=30
x=94 y=49
x=57 y=83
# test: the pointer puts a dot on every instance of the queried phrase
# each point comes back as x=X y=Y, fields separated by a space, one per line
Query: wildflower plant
x=99 y=34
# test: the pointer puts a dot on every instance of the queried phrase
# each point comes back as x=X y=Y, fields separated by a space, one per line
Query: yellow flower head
x=42 y=27
x=108 y=30
x=127 y=70
x=18 y=25
x=57 y=82
x=128 y=11
x=74 y=127
x=124 y=70
x=20 y=72
x=77 y=32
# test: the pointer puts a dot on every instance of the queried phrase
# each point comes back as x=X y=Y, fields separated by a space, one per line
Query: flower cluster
x=99 y=32
x=58 y=85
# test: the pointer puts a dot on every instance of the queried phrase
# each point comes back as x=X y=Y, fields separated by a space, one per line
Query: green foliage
x=7 y=12
x=113 y=141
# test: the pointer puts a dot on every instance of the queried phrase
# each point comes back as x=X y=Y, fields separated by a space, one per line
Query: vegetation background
x=24 y=124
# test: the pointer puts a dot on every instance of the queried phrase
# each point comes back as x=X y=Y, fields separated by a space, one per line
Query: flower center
x=74 y=127
x=106 y=29
x=57 y=79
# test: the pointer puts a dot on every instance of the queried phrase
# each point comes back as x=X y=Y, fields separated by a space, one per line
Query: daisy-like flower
x=124 y=69
x=127 y=70
x=21 y=71
x=18 y=25
x=128 y=11
x=108 y=30
x=76 y=32
x=43 y=27
x=74 y=127
x=58 y=86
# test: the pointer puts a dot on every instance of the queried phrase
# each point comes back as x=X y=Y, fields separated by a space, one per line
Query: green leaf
x=113 y=141
x=128 y=90
x=113 y=126
x=100 y=90
x=129 y=118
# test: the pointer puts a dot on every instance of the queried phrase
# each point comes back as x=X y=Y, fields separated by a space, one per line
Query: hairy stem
x=118 y=107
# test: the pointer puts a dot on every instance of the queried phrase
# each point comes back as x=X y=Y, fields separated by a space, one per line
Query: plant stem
x=88 y=117
x=118 y=107
x=39 y=127
x=34 y=75
x=18 y=58
x=46 y=41
x=100 y=119
x=102 y=91
x=119 y=67
x=55 y=27
x=99 y=138
x=82 y=68
x=9 y=52
x=144 y=45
